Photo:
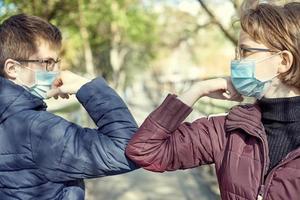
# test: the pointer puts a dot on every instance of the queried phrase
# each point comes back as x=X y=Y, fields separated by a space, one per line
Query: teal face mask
x=244 y=80
x=43 y=83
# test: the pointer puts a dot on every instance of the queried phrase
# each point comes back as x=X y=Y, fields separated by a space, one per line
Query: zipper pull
x=261 y=192
x=259 y=197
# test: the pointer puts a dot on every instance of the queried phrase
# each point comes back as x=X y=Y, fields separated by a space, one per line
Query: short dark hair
x=19 y=36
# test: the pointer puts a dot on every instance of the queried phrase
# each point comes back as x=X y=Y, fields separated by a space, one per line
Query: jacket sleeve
x=164 y=143
x=67 y=151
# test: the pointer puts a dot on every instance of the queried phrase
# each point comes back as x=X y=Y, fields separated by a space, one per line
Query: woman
x=255 y=148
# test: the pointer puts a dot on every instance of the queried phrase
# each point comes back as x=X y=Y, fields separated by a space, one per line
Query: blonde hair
x=277 y=27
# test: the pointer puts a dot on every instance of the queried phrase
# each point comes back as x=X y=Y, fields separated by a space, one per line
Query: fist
x=66 y=83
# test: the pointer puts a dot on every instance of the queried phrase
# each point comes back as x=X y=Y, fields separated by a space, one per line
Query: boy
x=43 y=156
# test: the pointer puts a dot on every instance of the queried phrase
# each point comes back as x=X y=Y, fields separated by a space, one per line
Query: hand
x=219 y=88
x=67 y=83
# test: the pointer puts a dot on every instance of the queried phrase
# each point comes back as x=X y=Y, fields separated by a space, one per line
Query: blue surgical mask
x=244 y=80
x=42 y=84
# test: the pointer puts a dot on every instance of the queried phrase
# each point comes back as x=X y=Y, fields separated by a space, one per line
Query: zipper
x=259 y=197
x=290 y=156
x=261 y=192
x=265 y=167
x=263 y=187
x=265 y=179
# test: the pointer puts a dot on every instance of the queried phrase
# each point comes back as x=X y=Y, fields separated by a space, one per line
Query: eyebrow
x=47 y=58
x=245 y=46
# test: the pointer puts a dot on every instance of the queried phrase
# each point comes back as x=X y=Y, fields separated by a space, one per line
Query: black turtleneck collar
x=280 y=109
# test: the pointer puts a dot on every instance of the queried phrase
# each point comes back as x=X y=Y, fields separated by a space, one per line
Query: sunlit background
x=145 y=49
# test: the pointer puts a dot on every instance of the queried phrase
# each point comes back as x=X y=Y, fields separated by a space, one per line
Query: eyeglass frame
x=41 y=61
x=238 y=54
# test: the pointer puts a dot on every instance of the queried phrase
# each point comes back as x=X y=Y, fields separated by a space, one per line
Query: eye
x=245 y=53
x=50 y=62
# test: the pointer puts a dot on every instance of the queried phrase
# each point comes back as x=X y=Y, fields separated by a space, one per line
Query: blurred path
x=144 y=185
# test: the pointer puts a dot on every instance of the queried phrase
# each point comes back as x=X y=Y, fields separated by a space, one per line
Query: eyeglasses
x=48 y=64
x=244 y=52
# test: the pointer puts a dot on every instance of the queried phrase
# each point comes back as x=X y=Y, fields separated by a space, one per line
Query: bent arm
x=67 y=151
x=164 y=143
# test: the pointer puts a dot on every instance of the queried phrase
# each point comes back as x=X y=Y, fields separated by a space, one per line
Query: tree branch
x=235 y=4
x=218 y=23
x=187 y=35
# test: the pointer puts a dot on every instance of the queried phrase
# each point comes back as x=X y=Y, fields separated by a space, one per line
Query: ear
x=10 y=70
x=286 y=62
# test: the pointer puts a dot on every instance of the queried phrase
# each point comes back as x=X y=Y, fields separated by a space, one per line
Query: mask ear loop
x=262 y=60
x=22 y=82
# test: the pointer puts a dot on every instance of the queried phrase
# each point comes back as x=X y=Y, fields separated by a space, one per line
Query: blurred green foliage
x=99 y=26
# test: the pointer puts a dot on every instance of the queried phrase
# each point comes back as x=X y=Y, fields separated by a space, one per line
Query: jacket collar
x=14 y=99
x=246 y=117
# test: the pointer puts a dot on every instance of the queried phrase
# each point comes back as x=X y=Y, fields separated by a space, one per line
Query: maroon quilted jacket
x=236 y=143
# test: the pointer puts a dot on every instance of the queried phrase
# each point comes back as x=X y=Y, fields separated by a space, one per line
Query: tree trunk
x=117 y=53
x=88 y=55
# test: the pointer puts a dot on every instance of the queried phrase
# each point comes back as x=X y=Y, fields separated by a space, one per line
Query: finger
x=57 y=82
x=66 y=96
x=53 y=92
x=226 y=95
x=238 y=98
x=63 y=95
x=228 y=92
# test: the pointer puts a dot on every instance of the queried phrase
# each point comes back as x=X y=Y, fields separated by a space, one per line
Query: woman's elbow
x=143 y=159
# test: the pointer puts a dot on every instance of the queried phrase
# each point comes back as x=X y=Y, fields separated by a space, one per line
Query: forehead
x=246 y=40
x=45 y=50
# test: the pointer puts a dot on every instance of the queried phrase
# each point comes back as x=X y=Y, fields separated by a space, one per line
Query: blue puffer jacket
x=43 y=156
